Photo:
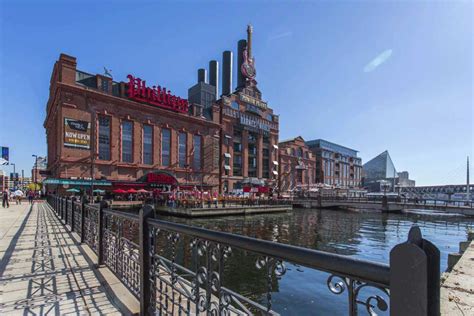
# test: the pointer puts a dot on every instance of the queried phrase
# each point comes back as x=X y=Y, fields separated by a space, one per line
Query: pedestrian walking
x=5 y=197
x=31 y=196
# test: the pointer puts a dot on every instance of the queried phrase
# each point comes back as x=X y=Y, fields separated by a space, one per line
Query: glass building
x=379 y=170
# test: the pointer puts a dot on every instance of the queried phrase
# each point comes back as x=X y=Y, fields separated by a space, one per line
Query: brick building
x=249 y=136
x=129 y=134
x=336 y=165
x=297 y=166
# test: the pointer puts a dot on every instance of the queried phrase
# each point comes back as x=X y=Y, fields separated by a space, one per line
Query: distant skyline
x=369 y=75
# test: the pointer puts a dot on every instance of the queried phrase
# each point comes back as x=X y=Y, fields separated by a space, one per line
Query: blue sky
x=371 y=75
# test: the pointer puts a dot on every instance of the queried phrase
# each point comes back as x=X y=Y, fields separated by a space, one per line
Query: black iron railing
x=390 y=199
x=121 y=252
x=185 y=270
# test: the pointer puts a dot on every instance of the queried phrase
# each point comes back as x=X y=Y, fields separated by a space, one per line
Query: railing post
x=415 y=277
x=66 y=211
x=100 y=229
x=83 y=212
x=73 y=210
x=62 y=208
x=145 y=213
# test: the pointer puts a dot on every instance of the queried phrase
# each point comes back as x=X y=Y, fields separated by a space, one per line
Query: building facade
x=113 y=134
x=380 y=173
x=336 y=165
x=296 y=166
x=249 y=128
x=404 y=180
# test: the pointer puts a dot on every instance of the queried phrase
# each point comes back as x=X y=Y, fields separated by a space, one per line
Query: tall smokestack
x=242 y=44
x=227 y=72
x=214 y=75
x=202 y=75
x=249 y=40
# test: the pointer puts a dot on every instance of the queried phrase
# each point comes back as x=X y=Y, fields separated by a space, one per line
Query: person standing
x=5 y=197
x=31 y=196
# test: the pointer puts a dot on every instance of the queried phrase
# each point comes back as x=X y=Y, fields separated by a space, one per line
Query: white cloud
x=377 y=61
x=280 y=35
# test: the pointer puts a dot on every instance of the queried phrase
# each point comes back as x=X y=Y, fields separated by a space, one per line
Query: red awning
x=119 y=191
x=132 y=190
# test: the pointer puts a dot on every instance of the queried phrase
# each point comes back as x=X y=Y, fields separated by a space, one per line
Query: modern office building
x=296 y=166
x=336 y=165
x=114 y=134
x=380 y=173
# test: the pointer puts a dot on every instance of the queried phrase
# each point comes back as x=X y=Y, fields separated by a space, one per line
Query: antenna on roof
x=108 y=72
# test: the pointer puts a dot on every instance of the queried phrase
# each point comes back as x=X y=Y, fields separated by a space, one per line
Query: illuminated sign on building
x=156 y=95
x=77 y=134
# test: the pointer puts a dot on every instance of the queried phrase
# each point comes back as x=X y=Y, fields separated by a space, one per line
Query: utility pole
x=34 y=172
x=14 y=175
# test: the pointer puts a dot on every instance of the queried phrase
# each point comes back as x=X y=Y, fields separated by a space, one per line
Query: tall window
x=104 y=137
x=165 y=146
x=197 y=164
x=182 y=150
x=127 y=141
x=148 y=144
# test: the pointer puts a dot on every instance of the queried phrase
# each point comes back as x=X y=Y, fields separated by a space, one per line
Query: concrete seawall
x=457 y=290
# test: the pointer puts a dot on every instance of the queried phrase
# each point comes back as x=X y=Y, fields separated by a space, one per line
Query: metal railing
x=389 y=199
x=180 y=269
x=221 y=203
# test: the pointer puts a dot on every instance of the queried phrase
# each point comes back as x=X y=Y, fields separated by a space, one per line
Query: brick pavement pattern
x=43 y=271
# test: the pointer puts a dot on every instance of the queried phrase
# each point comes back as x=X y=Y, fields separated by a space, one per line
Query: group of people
x=8 y=196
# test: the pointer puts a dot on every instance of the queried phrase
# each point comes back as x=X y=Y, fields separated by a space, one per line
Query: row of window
x=104 y=133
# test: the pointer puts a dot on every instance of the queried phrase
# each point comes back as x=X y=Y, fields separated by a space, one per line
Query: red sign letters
x=156 y=95
x=161 y=178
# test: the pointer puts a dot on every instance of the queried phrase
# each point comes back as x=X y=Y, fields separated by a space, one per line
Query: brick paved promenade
x=42 y=270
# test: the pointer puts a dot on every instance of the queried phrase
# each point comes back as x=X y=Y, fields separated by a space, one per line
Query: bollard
x=145 y=213
x=415 y=277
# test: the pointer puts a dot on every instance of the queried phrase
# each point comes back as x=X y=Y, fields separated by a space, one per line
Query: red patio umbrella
x=142 y=191
x=119 y=191
x=132 y=190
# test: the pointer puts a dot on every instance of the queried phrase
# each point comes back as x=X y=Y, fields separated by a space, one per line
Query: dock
x=223 y=211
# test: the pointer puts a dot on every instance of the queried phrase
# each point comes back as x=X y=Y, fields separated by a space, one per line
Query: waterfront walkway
x=43 y=271
x=457 y=291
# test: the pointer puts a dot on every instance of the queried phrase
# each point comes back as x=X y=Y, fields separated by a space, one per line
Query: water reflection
x=367 y=235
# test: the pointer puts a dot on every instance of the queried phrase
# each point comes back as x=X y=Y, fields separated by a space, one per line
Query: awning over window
x=227 y=155
x=275 y=146
x=77 y=182
x=275 y=172
x=227 y=167
x=275 y=162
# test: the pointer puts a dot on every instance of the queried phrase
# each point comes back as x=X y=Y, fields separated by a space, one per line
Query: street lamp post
x=14 y=175
x=34 y=172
